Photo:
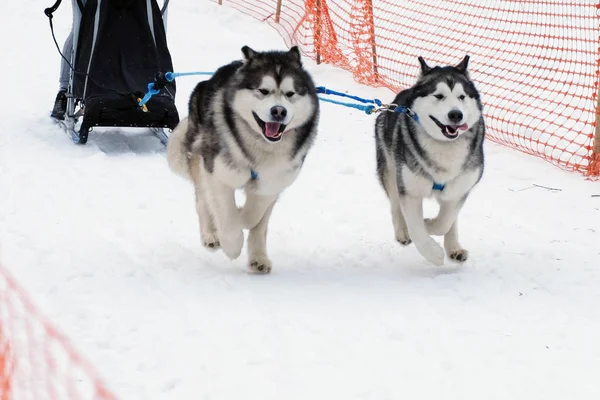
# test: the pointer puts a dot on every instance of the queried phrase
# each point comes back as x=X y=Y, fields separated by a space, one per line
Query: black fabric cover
x=124 y=61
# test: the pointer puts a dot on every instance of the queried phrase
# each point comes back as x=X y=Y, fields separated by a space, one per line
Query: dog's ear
x=294 y=53
x=425 y=69
x=248 y=53
x=462 y=66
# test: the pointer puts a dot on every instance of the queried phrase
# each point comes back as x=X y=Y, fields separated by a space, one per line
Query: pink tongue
x=272 y=129
x=463 y=127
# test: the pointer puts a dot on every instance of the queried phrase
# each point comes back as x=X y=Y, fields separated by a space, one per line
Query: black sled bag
x=121 y=47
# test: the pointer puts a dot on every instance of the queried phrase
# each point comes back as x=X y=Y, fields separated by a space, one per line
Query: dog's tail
x=176 y=154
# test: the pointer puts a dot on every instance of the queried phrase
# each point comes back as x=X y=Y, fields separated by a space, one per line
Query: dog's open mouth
x=450 y=131
x=273 y=131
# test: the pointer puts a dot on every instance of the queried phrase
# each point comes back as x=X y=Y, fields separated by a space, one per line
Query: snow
x=105 y=239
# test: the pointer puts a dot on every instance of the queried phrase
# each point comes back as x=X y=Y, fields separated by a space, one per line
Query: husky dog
x=432 y=149
x=250 y=126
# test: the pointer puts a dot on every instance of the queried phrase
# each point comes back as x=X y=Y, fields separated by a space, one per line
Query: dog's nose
x=278 y=113
x=455 y=116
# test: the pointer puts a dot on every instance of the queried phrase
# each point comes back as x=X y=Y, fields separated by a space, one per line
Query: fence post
x=372 y=35
x=594 y=167
x=277 y=11
x=318 y=32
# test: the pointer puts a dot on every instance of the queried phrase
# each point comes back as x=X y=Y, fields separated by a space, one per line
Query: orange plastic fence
x=535 y=62
x=36 y=361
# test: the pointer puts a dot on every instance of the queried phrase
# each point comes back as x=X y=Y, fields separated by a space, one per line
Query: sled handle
x=48 y=11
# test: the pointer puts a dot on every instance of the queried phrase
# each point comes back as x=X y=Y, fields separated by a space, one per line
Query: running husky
x=435 y=148
x=249 y=127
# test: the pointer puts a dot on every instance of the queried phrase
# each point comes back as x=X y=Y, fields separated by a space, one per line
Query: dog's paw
x=459 y=255
x=260 y=265
x=432 y=252
x=433 y=227
x=403 y=237
x=232 y=243
x=211 y=241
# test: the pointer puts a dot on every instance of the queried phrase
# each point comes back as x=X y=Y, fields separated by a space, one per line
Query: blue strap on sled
x=160 y=81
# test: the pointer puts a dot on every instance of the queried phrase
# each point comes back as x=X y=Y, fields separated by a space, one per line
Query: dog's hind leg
x=226 y=216
x=208 y=230
x=453 y=247
x=386 y=172
x=258 y=261
x=400 y=228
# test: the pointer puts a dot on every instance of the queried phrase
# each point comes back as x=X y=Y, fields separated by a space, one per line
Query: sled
x=119 y=47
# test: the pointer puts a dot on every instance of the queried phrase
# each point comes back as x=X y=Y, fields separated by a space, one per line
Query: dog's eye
x=289 y=94
x=462 y=97
x=439 y=96
x=263 y=91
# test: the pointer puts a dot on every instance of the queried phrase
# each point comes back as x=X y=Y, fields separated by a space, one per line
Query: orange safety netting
x=535 y=62
x=36 y=361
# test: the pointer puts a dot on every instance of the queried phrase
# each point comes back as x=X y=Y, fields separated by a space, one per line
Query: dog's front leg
x=412 y=208
x=448 y=213
x=227 y=218
x=452 y=245
x=446 y=223
x=255 y=208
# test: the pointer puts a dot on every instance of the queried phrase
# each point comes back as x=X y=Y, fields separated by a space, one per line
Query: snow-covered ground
x=105 y=239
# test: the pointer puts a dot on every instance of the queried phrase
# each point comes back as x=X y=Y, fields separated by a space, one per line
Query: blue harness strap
x=376 y=104
x=366 y=109
x=405 y=110
x=438 y=186
x=324 y=90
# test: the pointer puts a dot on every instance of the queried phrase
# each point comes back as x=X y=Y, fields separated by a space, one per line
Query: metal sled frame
x=75 y=110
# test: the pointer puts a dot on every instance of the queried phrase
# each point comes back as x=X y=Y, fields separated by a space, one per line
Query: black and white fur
x=444 y=147
x=257 y=115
